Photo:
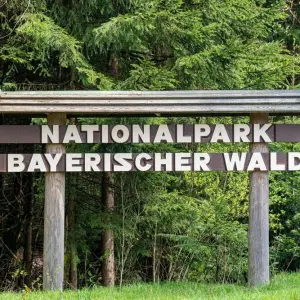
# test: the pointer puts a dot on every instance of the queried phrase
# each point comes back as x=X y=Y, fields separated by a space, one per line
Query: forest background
x=147 y=227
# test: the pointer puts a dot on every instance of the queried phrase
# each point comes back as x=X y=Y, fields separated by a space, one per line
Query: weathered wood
x=258 y=232
x=245 y=94
x=54 y=217
x=98 y=103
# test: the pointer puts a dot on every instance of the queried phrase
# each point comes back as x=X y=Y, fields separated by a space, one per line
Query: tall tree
x=71 y=245
x=174 y=226
x=108 y=254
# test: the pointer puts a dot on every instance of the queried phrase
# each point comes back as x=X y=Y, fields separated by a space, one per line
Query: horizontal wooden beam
x=102 y=103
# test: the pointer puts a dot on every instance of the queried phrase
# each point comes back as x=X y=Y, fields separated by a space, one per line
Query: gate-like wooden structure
x=58 y=106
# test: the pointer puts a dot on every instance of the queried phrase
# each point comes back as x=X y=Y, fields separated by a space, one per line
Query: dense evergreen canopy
x=166 y=226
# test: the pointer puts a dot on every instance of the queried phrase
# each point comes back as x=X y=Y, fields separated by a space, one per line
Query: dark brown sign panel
x=179 y=133
x=126 y=162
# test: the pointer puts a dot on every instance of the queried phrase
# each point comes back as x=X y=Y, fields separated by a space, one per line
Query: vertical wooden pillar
x=54 y=217
x=258 y=232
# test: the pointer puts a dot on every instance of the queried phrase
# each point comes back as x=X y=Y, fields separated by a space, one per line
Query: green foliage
x=44 y=38
x=43 y=48
x=146 y=76
x=284 y=286
x=200 y=236
x=167 y=226
x=207 y=45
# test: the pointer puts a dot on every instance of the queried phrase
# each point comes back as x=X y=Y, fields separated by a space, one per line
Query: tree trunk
x=108 y=201
x=108 y=267
x=28 y=228
x=71 y=233
x=71 y=243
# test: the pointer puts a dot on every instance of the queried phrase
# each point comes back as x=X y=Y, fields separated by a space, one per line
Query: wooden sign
x=126 y=162
x=180 y=133
x=57 y=106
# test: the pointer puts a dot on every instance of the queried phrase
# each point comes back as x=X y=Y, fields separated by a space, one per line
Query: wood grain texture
x=98 y=103
x=258 y=231
x=54 y=217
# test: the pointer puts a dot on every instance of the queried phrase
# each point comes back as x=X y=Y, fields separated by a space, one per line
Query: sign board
x=58 y=105
x=126 y=162
x=179 y=133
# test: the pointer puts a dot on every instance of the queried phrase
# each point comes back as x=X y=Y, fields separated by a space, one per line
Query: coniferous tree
x=165 y=226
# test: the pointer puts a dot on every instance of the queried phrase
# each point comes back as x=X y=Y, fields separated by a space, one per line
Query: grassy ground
x=283 y=286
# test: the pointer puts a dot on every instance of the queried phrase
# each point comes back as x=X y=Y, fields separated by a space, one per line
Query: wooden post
x=258 y=232
x=54 y=217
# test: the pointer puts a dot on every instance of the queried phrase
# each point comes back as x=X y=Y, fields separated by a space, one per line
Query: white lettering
x=141 y=135
x=104 y=134
x=36 y=163
x=292 y=157
x=220 y=134
x=91 y=162
x=53 y=161
x=15 y=163
x=159 y=162
x=201 y=161
x=73 y=162
x=240 y=133
x=138 y=162
x=163 y=134
x=121 y=159
x=90 y=129
x=117 y=137
x=107 y=162
x=235 y=162
x=72 y=134
x=274 y=166
x=49 y=135
x=259 y=132
x=181 y=138
x=182 y=162
x=257 y=162
x=201 y=130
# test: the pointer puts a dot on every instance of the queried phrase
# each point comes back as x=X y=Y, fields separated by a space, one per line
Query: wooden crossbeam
x=122 y=103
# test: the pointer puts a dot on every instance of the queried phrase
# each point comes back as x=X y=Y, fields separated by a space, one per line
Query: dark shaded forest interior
x=147 y=227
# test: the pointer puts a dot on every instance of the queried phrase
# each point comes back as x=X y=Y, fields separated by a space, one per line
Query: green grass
x=283 y=286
